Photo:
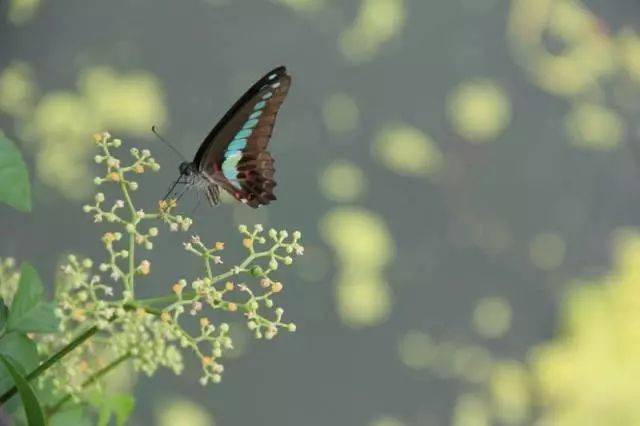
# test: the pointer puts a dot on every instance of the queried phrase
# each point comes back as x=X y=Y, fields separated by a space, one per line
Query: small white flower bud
x=133 y=186
x=86 y=208
x=99 y=197
x=153 y=232
x=98 y=159
x=259 y=228
x=242 y=228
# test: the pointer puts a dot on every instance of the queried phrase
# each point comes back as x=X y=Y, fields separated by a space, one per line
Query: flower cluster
x=100 y=297
x=225 y=292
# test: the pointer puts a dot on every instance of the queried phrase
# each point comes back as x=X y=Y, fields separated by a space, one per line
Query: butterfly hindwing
x=234 y=153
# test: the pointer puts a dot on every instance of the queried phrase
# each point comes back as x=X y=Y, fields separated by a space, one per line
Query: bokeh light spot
x=17 y=89
x=479 y=110
x=416 y=350
x=407 y=150
x=492 y=317
x=471 y=410
x=594 y=126
x=182 y=412
x=378 y=21
x=340 y=113
x=546 y=251
x=342 y=180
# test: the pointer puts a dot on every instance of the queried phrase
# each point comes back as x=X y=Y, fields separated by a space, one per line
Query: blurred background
x=464 y=173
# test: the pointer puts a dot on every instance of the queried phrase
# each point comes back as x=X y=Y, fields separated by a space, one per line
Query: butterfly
x=234 y=154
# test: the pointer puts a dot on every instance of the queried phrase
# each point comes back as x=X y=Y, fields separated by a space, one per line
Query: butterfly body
x=234 y=155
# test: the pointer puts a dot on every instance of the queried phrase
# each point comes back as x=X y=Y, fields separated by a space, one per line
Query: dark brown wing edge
x=248 y=95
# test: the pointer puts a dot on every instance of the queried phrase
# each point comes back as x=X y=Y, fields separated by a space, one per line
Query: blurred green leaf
x=21 y=348
x=28 y=313
x=35 y=416
x=74 y=416
x=118 y=405
x=14 y=178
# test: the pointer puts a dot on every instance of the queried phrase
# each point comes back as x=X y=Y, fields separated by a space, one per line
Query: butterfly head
x=187 y=168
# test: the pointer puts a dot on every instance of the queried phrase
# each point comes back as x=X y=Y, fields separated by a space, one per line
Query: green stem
x=91 y=380
x=51 y=360
x=65 y=350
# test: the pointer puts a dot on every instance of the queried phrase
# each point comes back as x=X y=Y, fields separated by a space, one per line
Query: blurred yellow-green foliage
x=363 y=247
x=588 y=374
x=58 y=125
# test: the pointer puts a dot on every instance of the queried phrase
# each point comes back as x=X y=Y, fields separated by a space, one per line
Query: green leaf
x=14 y=178
x=23 y=350
x=121 y=405
x=28 y=313
x=35 y=416
x=74 y=416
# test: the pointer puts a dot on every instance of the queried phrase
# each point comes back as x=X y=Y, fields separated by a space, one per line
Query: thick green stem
x=51 y=360
x=65 y=350
x=91 y=380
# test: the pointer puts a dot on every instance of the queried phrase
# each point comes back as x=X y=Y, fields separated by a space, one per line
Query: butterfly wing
x=234 y=153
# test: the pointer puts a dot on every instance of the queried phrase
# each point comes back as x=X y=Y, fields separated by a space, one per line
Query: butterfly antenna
x=155 y=132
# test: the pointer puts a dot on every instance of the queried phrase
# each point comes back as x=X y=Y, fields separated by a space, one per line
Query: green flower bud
x=291 y=327
x=224 y=327
x=242 y=228
x=287 y=260
x=273 y=264
x=256 y=271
